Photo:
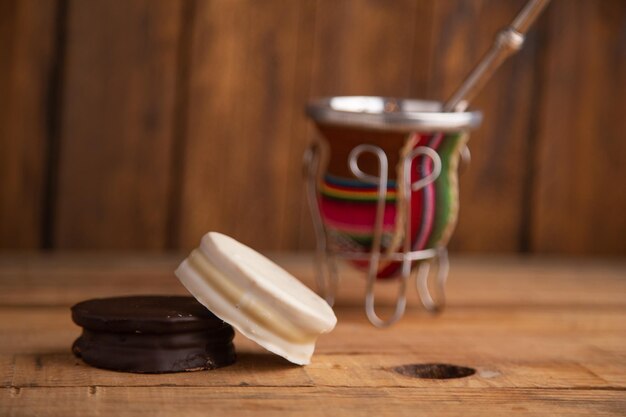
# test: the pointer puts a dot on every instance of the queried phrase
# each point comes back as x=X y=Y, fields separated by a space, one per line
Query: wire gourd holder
x=409 y=131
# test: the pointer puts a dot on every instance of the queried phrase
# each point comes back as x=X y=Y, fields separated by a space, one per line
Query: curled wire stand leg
x=422 y=279
x=466 y=159
x=326 y=275
x=374 y=260
x=331 y=278
x=370 y=302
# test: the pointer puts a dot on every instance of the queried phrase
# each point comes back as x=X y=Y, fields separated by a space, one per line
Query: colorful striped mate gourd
x=348 y=205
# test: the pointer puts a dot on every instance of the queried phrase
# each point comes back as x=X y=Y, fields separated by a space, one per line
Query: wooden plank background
x=143 y=124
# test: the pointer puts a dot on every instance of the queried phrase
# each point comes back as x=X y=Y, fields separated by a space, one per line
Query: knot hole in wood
x=434 y=371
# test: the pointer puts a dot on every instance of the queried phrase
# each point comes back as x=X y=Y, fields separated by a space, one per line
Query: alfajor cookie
x=257 y=297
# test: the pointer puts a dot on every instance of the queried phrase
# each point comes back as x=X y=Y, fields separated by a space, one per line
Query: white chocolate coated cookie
x=257 y=297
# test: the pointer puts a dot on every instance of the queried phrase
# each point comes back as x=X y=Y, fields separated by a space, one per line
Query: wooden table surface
x=546 y=337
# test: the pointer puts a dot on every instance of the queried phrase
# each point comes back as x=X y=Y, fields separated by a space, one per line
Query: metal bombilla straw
x=508 y=41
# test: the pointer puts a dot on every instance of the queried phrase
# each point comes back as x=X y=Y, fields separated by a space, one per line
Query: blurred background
x=143 y=124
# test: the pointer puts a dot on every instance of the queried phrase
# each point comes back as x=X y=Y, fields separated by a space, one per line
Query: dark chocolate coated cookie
x=151 y=334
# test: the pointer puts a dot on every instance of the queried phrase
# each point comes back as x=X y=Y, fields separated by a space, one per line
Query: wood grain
x=256 y=368
x=27 y=58
x=364 y=47
x=66 y=278
x=544 y=336
x=516 y=348
x=117 y=124
x=242 y=100
x=492 y=189
x=579 y=196
x=303 y=401
x=142 y=124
